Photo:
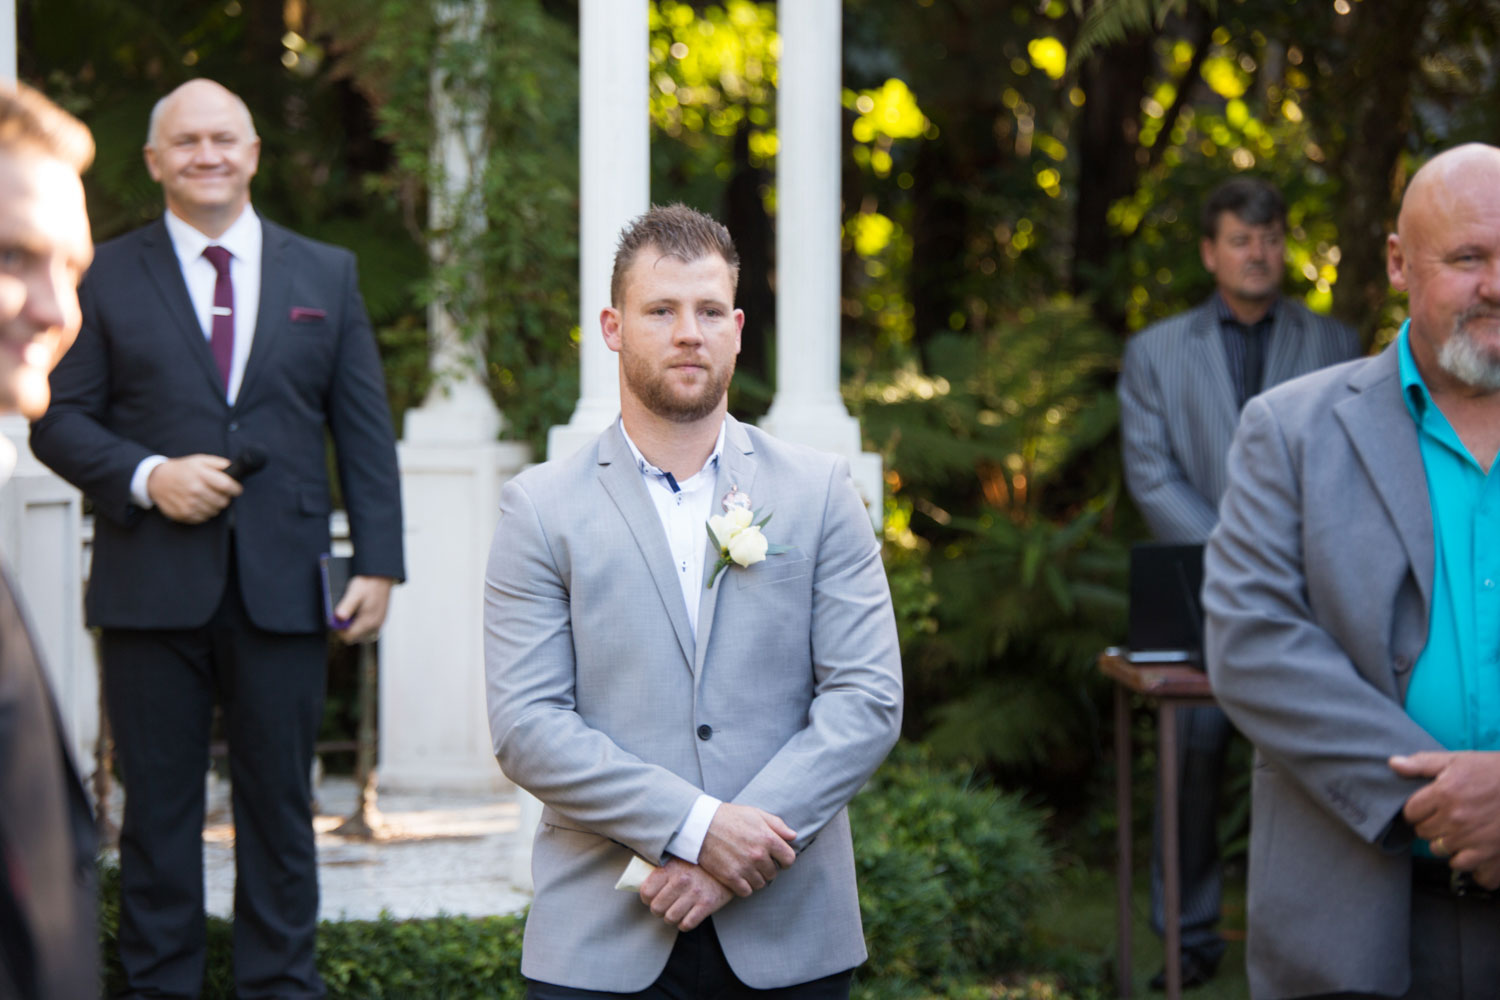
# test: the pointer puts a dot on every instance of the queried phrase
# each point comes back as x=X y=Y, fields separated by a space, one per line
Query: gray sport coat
x=1317 y=588
x=1178 y=408
x=603 y=706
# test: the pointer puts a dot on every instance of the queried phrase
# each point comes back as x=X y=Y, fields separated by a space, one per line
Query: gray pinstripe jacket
x=1178 y=408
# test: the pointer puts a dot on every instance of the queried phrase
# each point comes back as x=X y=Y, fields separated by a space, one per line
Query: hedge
x=950 y=873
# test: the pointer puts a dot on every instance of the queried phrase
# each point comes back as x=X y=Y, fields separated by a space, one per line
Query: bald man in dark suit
x=209 y=335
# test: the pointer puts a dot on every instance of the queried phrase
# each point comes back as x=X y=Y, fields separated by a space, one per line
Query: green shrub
x=950 y=873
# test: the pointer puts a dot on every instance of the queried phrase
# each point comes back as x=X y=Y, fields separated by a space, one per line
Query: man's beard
x=652 y=388
x=1462 y=356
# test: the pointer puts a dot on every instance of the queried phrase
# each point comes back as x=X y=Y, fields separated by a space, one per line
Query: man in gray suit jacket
x=1184 y=382
x=707 y=706
x=1354 y=630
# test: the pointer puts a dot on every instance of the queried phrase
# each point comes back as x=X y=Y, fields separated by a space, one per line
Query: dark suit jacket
x=140 y=380
x=48 y=937
x=1178 y=408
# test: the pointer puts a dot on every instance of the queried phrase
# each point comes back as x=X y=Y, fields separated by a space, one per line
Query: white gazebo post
x=41 y=539
x=434 y=730
x=807 y=407
x=614 y=60
x=8 y=39
x=614 y=150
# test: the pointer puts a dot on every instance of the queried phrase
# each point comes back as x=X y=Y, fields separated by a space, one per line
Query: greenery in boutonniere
x=737 y=536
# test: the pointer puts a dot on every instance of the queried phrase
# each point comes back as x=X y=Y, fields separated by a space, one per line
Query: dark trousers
x=1455 y=949
x=1203 y=734
x=698 y=970
x=160 y=687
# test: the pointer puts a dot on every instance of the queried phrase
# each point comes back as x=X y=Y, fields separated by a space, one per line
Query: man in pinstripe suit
x=1183 y=384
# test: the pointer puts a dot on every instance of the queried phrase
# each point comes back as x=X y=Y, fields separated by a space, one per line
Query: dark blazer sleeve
x=359 y=420
x=75 y=438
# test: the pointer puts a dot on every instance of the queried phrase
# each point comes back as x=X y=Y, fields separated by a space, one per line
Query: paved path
x=435 y=854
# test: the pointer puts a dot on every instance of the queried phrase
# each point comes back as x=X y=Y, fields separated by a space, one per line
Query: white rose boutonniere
x=737 y=536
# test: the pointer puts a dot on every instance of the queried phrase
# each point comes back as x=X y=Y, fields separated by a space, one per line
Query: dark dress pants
x=1203 y=734
x=1455 y=949
x=698 y=970
x=160 y=687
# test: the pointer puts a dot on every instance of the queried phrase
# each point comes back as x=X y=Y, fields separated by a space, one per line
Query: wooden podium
x=1170 y=686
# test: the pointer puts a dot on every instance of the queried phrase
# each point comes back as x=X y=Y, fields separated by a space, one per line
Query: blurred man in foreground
x=47 y=930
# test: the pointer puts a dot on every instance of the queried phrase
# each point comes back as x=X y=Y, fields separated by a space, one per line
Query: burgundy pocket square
x=304 y=314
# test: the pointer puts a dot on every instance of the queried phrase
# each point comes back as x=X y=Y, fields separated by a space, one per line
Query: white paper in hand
x=634 y=874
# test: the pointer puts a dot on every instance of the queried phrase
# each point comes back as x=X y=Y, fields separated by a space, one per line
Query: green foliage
x=950 y=872
x=456 y=958
x=1021 y=581
x=505 y=229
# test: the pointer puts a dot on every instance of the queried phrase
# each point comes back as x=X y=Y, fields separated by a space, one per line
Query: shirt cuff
x=688 y=841
x=138 y=491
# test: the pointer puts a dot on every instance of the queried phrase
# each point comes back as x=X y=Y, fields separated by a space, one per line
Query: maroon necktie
x=221 y=338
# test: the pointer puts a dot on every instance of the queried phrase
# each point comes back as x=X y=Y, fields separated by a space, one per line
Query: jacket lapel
x=165 y=270
x=737 y=467
x=1385 y=439
x=621 y=479
x=1285 y=347
x=1207 y=349
x=271 y=315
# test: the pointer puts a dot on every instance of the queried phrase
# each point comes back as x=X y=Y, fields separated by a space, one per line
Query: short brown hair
x=28 y=121
x=677 y=231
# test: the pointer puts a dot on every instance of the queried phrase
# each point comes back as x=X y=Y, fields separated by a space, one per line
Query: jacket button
x=705 y=732
x=233 y=426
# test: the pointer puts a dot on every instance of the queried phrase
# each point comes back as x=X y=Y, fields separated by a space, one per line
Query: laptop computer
x=1166 y=606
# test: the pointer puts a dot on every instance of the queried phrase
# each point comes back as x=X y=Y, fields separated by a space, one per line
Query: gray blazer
x=1178 y=408
x=1318 y=583
x=603 y=706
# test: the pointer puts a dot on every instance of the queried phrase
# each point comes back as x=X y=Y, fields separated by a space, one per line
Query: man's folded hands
x=743 y=851
x=746 y=847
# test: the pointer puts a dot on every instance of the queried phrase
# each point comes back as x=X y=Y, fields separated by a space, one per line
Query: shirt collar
x=648 y=469
x=1226 y=315
x=1413 y=389
x=242 y=239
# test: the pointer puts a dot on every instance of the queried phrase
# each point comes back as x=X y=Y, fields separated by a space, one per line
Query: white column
x=807 y=407
x=615 y=187
x=7 y=39
x=41 y=542
x=434 y=731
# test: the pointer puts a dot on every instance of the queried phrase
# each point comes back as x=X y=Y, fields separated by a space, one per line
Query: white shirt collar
x=647 y=469
x=242 y=239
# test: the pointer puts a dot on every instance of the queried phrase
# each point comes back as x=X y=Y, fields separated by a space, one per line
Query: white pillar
x=615 y=187
x=807 y=407
x=7 y=39
x=41 y=538
x=434 y=731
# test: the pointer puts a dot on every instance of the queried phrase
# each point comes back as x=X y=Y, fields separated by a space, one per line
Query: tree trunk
x=1374 y=98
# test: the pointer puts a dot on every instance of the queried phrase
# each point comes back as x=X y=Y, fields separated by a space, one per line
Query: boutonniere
x=737 y=535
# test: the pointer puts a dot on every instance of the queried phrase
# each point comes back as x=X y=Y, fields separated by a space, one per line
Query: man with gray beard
x=1353 y=600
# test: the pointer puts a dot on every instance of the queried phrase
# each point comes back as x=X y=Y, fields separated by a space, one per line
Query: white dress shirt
x=684 y=513
x=243 y=240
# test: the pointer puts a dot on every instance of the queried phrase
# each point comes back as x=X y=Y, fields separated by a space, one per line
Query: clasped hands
x=744 y=849
x=1458 y=811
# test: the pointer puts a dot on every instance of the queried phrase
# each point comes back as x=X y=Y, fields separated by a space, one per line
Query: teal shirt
x=1455 y=686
